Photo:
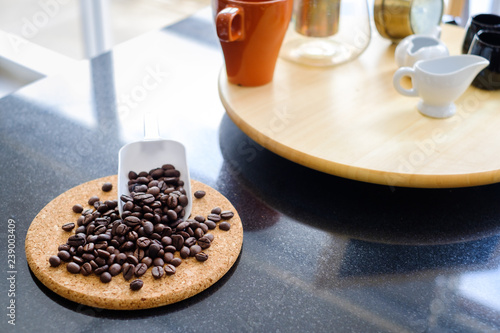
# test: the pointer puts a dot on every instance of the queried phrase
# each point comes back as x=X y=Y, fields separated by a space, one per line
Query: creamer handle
x=396 y=81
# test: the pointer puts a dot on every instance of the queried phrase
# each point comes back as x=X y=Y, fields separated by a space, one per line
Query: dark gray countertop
x=320 y=253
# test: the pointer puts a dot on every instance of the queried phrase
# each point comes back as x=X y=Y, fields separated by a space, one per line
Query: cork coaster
x=45 y=235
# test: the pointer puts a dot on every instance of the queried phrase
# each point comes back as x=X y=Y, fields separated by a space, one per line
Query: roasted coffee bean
x=167 y=257
x=170 y=248
x=100 y=229
x=111 y=204
x=86 y=269
x=147 y=260
x=103 y=254
x=202 y=256
x=64 y=255
x=153 y=190
x=199 y=218
x=104 y=237
x=204 y=242
x=88 y=256
x=105 y=277
x=190 y=241
x=175 y=262
x=172 y=215
x=177 y=241
x=121 y=258
x=184 y=252
x=121 y=229
x=157 y=272
x=111 y=259
x=183 y=225
x=128 y=271
x=136 y=284
x=78 y=260
x=115 y=269
x=77 y=208
x=68 y=226
x=100 y=261
x=194 y=250
x=199 y=194
x=129 y=205
x=170 y=269
x=63 y=247
x=93 y=200
x=132 y=236
x=93 y=264
x=224 y=226
x=143 y=242
x=216 y=210
x=132 y=221
x=172 y=172
x=183 y=234
x=154 y=248
x=183 y=200
x=89 y=247
x=77 y=240
x=172 y=201
x=132 y=259
x=226 y=215
x=198 y=233
x=127 y=246
x=210 y=224
x=214 y=217
x=106 y=187
x=140 y=269
x=54 y=261
x=148 y=228
x=158 y=262
x=101 y=269
x=73 y=268
x=132 y=175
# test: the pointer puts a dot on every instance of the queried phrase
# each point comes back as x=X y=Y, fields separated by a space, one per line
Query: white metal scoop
x=150 y=153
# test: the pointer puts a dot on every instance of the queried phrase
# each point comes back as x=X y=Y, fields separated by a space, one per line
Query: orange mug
x=251 y=33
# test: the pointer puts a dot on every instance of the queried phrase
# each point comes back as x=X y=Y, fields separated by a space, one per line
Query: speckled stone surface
x=191 y=277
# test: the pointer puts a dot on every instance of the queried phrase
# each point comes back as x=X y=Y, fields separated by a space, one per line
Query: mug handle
x=229 y=24
x=396 y=81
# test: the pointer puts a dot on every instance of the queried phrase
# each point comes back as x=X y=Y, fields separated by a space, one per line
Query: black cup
x=486 y=43
x=479 y=22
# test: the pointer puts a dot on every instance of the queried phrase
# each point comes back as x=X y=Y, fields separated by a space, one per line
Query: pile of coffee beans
x=149 y=233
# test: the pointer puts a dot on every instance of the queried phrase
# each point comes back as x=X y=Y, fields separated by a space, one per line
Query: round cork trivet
x=45 y=235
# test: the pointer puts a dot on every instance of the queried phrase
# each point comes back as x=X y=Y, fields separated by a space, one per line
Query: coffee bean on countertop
x=170 y=269
x=157 y=272
x=226 y=215
x=216 y=210
x=105 y=277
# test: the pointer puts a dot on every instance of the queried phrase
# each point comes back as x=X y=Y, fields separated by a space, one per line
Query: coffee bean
x=157 y=272
x=176 y=262
x=172 y=215
x=194 y=250
x=143 y=242
x=198 y=233
x=184 y=252
x=54 y=261
x=103 y=254
x=167 y=257
x=183 y=200
x=216 y=210
x=132 y=259
x=86 y=269
x=105 y=277
x=183 y=225
x=77 y=208
x=115 y=269
x=136 y=284
x=226 y=215
x=73 y=268
x=106 y=187
x=93 y=200
x=210 y=224
x=199 y=194
x=63 y=247
x=154 y=248
x=76 y=240
x=128 y=271
x=170 y=269
x=202 y=256
x=148 y=228
x=140 y=269
x=190 y=241
x=224 y=226
x=132 y=221
x=204 y=242
x=101 y=269
x=177 y=241
x=147 y=260
x=214 y=217
x=121 y=258
x=68 y=226
x=64 y=255
x=78 y=260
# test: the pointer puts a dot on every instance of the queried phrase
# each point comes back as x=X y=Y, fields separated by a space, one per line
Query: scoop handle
x=396 y=81
x=151 y=131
